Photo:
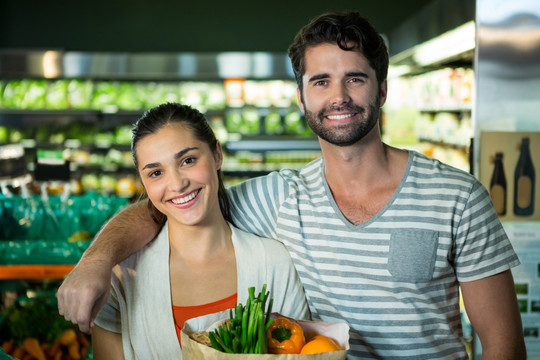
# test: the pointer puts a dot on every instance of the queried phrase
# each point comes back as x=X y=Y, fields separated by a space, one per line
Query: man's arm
x=86 y=288
x=492 y=307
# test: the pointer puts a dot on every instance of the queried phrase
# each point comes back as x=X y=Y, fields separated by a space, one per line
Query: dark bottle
x=497 y=186
x=524 y=181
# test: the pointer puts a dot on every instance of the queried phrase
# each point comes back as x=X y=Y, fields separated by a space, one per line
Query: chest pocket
x=412 y=255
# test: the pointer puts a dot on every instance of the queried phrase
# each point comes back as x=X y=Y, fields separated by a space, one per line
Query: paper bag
x=193 y=350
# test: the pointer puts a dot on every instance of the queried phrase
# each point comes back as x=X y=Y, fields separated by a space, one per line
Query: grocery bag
x=195 y=350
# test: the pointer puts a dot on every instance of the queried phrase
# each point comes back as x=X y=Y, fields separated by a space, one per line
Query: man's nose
x=340 y=95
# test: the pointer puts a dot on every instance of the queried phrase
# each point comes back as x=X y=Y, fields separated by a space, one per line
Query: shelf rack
x=34 y=272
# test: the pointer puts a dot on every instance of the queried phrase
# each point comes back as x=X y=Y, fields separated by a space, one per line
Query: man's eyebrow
x=318 y=77
x=349 y=74
x=357 y=74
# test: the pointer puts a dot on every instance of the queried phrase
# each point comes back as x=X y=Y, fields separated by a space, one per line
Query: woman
x=199 y=263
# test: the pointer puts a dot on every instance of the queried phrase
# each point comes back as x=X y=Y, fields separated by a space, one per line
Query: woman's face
x=179 y=174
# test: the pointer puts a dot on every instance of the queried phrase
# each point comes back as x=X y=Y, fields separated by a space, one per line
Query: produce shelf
x=34 y=272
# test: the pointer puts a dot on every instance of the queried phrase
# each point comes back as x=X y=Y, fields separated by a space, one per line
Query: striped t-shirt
x=394 y=278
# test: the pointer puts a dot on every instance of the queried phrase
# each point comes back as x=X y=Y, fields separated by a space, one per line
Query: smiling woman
x=180 y=175
x=199 y=260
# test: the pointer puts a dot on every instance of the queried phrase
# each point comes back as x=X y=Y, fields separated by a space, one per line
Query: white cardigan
x=140 y=306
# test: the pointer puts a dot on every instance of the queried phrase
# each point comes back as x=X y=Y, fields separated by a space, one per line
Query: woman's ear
x=218 y=155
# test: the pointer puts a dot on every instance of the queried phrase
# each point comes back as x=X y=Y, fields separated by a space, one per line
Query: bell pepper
x=285 y=337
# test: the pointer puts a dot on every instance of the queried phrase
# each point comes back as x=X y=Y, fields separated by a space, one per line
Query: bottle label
x=524 y=191
x=498 y=197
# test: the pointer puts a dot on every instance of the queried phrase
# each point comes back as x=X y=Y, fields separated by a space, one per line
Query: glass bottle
x=524 y=182
x=497 y=186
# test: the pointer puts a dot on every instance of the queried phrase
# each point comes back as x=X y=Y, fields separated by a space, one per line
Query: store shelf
x=272 y=144
x=447 y=144
x=27 y=118
x=34 y=272
x=452 y=106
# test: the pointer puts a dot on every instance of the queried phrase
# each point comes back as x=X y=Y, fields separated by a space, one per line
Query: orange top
x=184 y=313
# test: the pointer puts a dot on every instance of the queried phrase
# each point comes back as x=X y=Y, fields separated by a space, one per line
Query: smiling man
x=382 y=238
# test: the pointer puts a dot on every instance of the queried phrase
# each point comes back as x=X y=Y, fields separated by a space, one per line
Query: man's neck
x=362 y=163
x=363 y=179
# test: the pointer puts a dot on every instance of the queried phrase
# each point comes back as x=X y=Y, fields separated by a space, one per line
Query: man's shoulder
x=268 y=246
x=428 y=165
x=284 y=177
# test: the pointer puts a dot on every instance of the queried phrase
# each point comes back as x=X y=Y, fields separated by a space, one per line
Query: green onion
x=248 y=326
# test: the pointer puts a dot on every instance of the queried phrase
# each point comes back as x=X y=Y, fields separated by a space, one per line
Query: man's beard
x=347 y=134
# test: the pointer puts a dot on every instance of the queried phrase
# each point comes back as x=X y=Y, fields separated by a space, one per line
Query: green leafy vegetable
x=36 y=317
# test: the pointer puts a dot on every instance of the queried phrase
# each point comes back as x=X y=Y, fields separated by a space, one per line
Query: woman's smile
x=184 y=200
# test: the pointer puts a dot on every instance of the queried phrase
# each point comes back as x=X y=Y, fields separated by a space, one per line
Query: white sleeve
x=109 y=317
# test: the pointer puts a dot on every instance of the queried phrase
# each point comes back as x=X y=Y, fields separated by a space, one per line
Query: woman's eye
x=189 y=160
x=155 y=173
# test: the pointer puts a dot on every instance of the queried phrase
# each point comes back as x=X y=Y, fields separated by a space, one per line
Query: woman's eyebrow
x=184 y=151
x=176 y=156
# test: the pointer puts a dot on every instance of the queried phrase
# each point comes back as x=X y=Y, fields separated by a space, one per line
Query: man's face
x=341 y=96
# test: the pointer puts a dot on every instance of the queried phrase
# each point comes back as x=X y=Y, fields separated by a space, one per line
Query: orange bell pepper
x=285 y=337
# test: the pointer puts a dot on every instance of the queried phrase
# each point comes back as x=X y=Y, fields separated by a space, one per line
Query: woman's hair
x=172 y=113
x=350 y=31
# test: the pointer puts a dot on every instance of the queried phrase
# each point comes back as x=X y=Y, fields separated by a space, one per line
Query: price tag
x=51 y=166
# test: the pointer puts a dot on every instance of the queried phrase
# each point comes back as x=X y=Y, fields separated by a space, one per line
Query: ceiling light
x=447 y=45
x=395 y=71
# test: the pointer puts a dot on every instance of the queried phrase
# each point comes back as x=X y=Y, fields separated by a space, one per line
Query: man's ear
x=383 y=92
x=300 y=100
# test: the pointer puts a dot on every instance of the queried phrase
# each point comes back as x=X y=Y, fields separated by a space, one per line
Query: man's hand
x=84 y=291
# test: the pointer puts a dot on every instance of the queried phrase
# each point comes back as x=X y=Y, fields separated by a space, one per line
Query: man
x=382 y=238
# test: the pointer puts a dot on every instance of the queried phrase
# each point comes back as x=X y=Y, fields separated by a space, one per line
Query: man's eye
x=320 y=83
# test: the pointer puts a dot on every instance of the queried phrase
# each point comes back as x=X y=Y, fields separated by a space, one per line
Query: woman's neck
x=202 y=264
x=200 y=242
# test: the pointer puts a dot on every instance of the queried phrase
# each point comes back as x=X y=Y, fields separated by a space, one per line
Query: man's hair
x=348 y=30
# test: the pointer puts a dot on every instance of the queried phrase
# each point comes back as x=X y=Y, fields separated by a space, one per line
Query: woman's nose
x=178 y=181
